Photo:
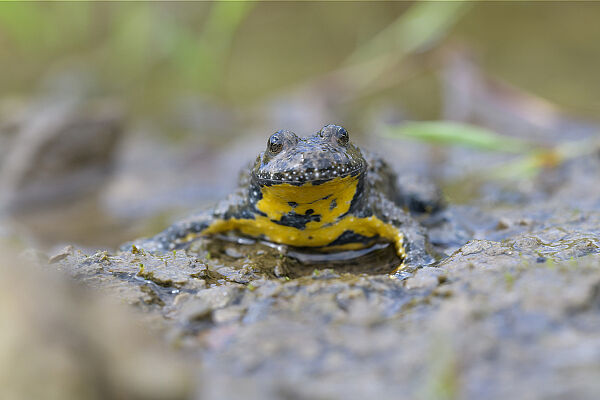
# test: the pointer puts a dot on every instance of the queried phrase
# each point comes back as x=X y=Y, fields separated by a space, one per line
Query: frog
x=319 y=193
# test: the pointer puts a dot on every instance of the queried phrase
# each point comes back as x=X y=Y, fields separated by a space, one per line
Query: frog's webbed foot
x=416 y=246
x=173 y=237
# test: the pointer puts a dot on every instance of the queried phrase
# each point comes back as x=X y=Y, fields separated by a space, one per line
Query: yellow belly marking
x=275 y=203
x=275 y=199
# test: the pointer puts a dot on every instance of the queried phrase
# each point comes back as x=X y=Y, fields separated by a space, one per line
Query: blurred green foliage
x=421 y=26
x=532 y=158
x=147 y=38
x=150 y=54
x=188 y=46
x=242 y=51
x=137 y=45
x=454 y=133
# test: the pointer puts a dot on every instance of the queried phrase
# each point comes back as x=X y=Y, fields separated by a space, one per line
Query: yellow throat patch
x=319 y=198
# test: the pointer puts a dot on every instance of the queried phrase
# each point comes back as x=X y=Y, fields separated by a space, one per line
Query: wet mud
x=512 y=303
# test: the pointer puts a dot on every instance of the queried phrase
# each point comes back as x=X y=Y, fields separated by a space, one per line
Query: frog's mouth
x=311 y=176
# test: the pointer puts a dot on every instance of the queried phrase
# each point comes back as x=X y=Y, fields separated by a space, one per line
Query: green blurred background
x=241 y=52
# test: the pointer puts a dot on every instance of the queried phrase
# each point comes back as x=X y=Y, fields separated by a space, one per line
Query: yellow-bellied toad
x=318 y=192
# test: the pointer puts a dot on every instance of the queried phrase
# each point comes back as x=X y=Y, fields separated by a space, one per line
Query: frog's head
x=307 y=183
x=325 y=156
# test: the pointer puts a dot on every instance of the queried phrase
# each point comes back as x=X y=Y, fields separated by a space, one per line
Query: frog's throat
x=309 y=206
x=312 y=215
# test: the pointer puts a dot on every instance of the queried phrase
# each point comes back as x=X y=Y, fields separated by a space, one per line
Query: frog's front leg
x=407 y=235
x=175 y=235
x=204 y=223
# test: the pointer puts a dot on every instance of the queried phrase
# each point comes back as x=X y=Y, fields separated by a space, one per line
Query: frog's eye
x=281 y=140
x=326 y=131
x=335 y=132
x=275 y=143
x=342 y=136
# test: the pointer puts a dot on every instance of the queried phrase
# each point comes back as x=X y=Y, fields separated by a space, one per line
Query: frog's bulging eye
x=326 y=131
x=342 y=136
x=335 y=132
x=281 y=140
x=275 y=143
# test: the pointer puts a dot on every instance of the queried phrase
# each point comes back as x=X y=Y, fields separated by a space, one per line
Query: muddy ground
x=511 y=312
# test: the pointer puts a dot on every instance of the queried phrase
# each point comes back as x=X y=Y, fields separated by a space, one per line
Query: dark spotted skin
x=293 y=165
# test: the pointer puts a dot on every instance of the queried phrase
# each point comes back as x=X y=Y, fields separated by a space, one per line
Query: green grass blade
x=454 y=133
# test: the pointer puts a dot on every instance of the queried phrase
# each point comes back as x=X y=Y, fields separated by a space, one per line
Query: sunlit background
x=116 y=118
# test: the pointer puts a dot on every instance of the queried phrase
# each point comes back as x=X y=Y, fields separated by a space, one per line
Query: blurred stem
x=539 y=159
x=532 y=159
x=422 y=26
x=419 y=27
x=453 y=133
x=216 y=39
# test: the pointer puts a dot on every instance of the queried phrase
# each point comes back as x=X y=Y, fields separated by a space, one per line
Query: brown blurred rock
x=58 y=150
x=60 y=342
